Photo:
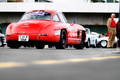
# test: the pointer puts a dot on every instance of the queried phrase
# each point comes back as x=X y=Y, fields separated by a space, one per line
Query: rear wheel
x=88 y=44
x=40 y=46
x=63 y=40
x=95 y=45
x=49 y=46
x=13 y=44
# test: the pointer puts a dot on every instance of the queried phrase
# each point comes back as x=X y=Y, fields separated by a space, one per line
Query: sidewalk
x=118 y=49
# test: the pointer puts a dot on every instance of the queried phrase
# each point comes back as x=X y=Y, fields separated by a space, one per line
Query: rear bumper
x=34 y=37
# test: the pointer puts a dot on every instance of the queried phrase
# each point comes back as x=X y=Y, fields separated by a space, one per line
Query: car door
x=70 y=28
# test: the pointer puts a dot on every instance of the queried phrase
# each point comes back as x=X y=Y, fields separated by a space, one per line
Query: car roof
x=50 y=11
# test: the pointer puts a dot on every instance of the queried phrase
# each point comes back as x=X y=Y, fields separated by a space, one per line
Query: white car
x=104 y=40
x=91 y=38
x=2 y=40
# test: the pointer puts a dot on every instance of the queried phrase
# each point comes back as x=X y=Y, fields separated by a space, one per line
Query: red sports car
x=45 y=27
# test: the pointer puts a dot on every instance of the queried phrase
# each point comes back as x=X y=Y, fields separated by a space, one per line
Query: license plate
x=23 y=38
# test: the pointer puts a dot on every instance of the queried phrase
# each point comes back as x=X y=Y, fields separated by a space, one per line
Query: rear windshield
x=37 y=15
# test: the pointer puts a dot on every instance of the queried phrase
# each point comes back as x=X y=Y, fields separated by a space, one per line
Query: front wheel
x=63 y=40
x=103 y=44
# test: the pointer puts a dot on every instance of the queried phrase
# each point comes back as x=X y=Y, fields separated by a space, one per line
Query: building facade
x=85 y=13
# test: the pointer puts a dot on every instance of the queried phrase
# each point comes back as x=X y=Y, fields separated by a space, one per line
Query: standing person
x=118 y=33
x=111 y=24
x=0 y=30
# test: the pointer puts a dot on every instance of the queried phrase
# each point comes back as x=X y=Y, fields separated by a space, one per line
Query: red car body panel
x=44 y=30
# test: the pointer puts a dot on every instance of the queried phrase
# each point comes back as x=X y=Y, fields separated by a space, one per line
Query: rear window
x=37 y=15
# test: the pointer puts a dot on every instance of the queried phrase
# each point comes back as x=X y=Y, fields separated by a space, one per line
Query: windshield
x=37 y=15
x=87 y=31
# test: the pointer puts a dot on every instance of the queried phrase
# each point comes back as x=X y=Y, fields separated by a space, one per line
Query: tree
x=116 y=1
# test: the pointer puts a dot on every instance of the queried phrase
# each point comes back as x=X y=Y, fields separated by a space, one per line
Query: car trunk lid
x=30 y=26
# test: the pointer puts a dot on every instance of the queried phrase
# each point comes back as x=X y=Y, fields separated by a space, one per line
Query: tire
x=1 y=42
x=95 y=45
x=13 y=44
x=49 y=46
x=63 y=40
x=103 y=43
x=88 y=44
x=40 y=46
x=82 y=44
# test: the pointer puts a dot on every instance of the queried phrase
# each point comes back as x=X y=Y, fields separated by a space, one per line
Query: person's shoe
x=117 y=47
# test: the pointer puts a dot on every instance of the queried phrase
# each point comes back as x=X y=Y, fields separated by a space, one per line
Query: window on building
x=97 y=1
x=3 y=0
x=14 y=0
x=110 y=1
x=105 y=1
x=43 y=0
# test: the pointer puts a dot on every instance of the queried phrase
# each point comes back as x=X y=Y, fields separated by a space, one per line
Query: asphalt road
x=53 y=64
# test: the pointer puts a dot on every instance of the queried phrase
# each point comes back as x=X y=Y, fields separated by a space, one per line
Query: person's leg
x=109 y=39
x=113 y=37
x=119 y=42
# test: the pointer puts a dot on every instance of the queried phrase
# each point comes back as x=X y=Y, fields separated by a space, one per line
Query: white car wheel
x=103 y=44
x=95 y=45
x=88 y=44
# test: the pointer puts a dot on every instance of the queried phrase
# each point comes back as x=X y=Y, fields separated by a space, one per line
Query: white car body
x=91 y=38
x=103 y=41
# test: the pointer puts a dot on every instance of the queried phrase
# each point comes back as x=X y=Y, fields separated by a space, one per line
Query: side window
x=55 y=18
x=62 y=18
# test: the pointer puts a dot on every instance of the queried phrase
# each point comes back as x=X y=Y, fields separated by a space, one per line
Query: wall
x=80 y=18
x=64 y=7
x=3 y=27
x=88 y=18
x=10 y=16
x=97 y=28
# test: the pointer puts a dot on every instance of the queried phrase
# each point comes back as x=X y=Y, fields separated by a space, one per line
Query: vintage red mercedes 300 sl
x=40 y=27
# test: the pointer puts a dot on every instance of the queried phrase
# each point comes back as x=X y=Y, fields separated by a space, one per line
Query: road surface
x=55 y=64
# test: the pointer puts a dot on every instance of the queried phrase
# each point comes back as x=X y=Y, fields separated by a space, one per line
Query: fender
x=9 y=32
x=9 y=29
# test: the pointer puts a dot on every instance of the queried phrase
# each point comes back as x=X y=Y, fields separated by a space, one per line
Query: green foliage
x=116 y=1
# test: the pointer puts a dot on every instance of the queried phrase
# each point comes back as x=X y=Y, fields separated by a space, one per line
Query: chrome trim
x=74 y=39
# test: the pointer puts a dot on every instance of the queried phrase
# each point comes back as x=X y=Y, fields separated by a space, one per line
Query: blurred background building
x=89 y=13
